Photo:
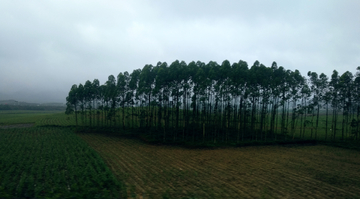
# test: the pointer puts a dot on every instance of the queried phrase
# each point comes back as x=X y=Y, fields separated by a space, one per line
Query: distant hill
x=36 y=97
x=18 y=105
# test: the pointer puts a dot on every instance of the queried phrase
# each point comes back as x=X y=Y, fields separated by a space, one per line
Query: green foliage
x=221 y=103
x=42 y=162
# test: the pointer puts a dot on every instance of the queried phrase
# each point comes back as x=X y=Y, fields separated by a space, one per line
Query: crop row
x=254 y=172
x=51 y=162
x=59 y=119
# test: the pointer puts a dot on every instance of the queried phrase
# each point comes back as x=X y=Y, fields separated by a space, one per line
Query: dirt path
x=249 y=172
x=16 y=126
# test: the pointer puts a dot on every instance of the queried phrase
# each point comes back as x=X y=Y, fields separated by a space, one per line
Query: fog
x=47 y=46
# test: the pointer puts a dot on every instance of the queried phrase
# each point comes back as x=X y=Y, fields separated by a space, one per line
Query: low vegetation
x=25 y=116
x=42 y=162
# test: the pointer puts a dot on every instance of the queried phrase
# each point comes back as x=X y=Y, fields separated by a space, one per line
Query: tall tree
x=335 y=101
x=111 y=94
x=133 y=86
x=96 y=98
x=123 y=91
x=316 y=89
x=325 y=99
x=81 y=98
x=72 y=102
x=146 y=86
x=346 y=87
x=89 y=96
x=357 y=102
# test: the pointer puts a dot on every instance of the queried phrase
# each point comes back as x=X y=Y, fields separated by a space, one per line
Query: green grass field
x=38 y=118
x=23 y=116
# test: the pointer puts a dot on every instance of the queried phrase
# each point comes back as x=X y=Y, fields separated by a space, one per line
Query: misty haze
x=49 y=46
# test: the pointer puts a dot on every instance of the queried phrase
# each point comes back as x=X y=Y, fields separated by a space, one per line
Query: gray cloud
x=50 y=45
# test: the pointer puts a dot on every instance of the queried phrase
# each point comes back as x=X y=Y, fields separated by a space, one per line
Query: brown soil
x=248 y=172
x=16 y=126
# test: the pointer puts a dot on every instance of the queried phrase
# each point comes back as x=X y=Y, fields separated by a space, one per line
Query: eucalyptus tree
x=89 y=97
x=346 y=88
x=123 y=92
x=166 y=96
x=208 y=86
x=264 y=95
x=102 y=103
x=133 y=86
x=204 y=92
x=190 y=96
x=196 y=73
x=128 y=99
x=186 y=88
x=357 y=102
x=239 y=77
x=227 y=87
x=96 y=98
x=284 y=90
x=305 y=97
x=215 y=113
x=260 y=91
x=176 y=93
x=212 y=96
x=316 y=91
x=296 y=83
x=254 y=88
x=146 y=86
x=324 y=86
x=193 y=95
x=69 y=107
x=81 y=98
x=275 y=92
x=72 y=102
x=162 y=91
x=279 y=91
x=200 y=88
x=335 y=101
x=290 y=80
x=111 y=94
x=326 y=99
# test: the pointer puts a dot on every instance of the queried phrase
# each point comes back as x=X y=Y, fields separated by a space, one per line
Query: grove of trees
x=227 y=103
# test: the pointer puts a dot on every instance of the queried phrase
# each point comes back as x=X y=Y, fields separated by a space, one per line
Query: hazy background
x=47 y=46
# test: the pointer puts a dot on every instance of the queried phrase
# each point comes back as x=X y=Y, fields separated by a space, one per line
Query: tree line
x=226 y=103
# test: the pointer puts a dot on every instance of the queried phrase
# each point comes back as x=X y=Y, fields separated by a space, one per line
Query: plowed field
x=249 y=172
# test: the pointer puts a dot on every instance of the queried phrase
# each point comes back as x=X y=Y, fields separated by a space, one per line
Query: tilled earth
x=249 y=172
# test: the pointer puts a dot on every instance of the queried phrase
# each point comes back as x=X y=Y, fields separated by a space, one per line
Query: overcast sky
x=46 y=45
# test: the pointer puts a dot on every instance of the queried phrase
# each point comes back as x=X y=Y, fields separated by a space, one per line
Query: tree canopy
x=225 y=102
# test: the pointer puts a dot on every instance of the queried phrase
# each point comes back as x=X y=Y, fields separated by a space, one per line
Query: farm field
x=151 y=171
x=26 y=118
x=41 y=162
x=250 y=172
x=8 y=117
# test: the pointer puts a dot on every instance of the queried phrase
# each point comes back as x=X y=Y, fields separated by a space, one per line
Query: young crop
x=44 y=162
